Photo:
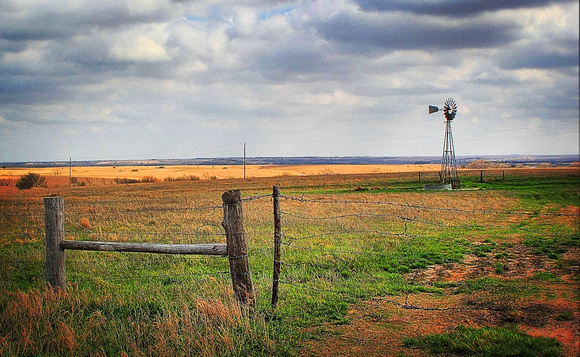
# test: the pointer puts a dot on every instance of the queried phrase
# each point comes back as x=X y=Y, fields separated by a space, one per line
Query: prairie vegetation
x=372 y=264
x=107 y=175
x=30 y=180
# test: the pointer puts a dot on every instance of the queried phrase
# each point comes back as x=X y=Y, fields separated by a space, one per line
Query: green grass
x=487 y=342
x=552 y=247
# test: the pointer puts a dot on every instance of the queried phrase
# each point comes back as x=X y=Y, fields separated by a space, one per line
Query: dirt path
x=377 y=326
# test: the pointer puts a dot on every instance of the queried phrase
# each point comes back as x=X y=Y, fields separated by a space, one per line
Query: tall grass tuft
x=71 y=323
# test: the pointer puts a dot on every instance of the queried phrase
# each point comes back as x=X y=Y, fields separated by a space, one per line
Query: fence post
x=277 y=242
x=233 y=224
x=54 y=234
x=481 y=176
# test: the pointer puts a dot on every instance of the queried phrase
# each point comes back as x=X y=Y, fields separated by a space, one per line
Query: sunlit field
x=372 y=264
x=104 y=175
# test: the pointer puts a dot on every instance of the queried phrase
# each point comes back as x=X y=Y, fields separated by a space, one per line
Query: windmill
x=448 y=174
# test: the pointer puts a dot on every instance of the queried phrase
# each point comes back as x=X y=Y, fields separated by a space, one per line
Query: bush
x=182 y=178
x=30 y=180
x=149 y=179
x=145 y=179
x=125 y=180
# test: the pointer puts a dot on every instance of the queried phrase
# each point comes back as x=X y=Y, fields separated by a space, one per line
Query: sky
x=160 y=79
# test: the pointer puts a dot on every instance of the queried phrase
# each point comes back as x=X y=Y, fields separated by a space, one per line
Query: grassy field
x=108 y=175
x=371 y=264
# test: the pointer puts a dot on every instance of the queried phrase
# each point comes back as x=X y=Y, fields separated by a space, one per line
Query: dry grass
x=73 y=323
x=105 y=175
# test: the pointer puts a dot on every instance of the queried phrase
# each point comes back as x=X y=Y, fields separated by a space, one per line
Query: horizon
x=304 y=160
x=132 y=79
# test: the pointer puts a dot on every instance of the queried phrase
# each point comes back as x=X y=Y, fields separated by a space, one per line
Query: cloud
x=405 y=32
x=127 y=76
x=452 y=8
x=533 y=57
x=139 y=49
x=34 y=21
x=339 y=98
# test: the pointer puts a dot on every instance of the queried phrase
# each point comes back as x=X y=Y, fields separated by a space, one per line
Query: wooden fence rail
x=235 y=247
x=198 y=249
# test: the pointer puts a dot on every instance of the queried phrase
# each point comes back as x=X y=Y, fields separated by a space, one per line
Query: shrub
x=182 y=178
x=74 y=181
x=130 y=180
x=30 y=180
x=125 y=180
x=149 y=179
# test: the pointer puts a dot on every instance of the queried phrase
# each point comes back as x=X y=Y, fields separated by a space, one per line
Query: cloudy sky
x=142 y=79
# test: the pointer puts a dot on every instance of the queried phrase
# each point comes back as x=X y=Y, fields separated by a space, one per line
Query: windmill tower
x=448 y=174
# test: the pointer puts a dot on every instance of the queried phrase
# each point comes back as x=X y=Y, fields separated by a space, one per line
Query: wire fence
x=390 y=248
x=395 y=251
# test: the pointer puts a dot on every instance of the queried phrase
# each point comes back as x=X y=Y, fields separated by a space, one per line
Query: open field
x=371 y=265
x=110 y=175
x=94 y=175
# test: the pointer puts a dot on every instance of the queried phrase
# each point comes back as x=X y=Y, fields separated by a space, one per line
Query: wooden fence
x=235 y=249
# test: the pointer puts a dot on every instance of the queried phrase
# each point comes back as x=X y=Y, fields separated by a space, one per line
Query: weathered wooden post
x=54 y=235
x=233 y=224
x=277 y=242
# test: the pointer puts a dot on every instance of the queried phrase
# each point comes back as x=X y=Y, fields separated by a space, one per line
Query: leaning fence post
x=233 y=224
x=277 y=242
x=54 y=234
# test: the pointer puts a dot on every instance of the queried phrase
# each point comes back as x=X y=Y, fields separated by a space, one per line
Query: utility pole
x=244 y=161
x=70 y=171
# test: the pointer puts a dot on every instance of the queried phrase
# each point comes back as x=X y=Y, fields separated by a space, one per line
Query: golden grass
x=210 y=171
x=110 y=175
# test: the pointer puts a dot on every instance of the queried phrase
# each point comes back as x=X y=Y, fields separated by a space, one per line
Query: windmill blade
x=450 y=109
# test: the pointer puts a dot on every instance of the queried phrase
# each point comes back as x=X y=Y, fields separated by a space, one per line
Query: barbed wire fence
x=396 y=251
x=357 y=248
x=147 y=223
x=138 y=220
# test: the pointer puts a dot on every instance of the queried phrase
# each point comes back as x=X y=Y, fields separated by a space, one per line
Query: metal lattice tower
x=448 y=174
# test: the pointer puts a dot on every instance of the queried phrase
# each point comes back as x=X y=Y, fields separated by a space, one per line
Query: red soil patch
x=378 y=326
